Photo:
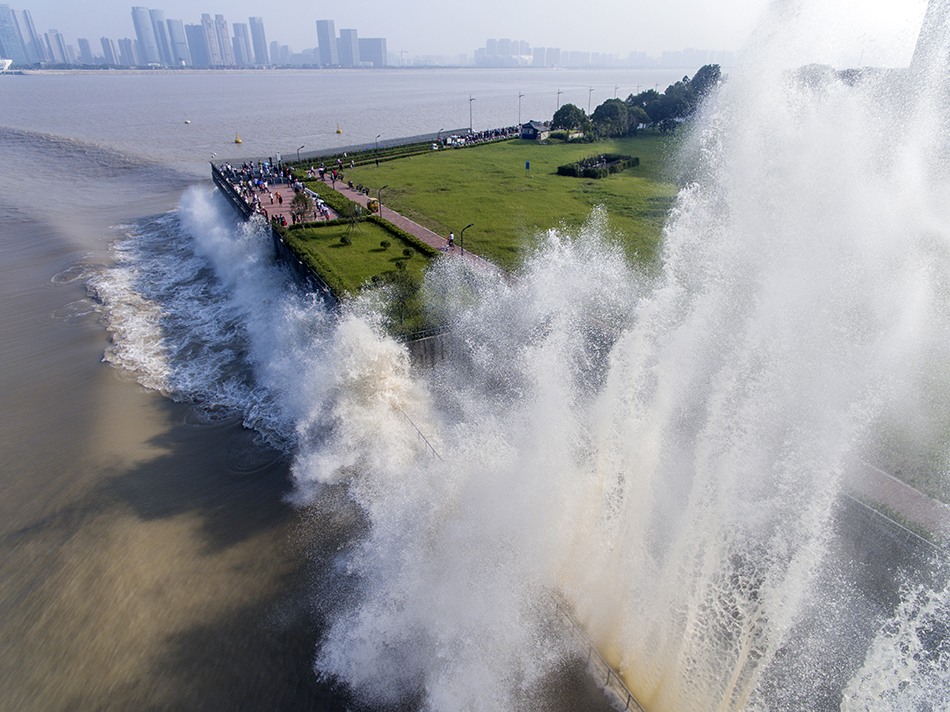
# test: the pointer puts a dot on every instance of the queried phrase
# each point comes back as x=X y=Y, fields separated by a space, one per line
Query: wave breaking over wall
x=665 y=451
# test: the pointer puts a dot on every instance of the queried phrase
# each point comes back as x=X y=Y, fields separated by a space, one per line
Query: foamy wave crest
x=466 y=479
x=198 y=310
x=907 y=666
x=667 y=453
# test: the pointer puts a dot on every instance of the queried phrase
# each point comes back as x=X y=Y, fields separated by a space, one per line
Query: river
x=148 y=558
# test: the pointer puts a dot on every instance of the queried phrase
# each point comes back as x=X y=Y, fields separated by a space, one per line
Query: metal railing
x=603 y=673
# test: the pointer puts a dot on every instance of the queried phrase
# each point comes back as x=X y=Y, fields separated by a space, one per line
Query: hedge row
x=423 y=247
x=599 y=166
x=333 y=198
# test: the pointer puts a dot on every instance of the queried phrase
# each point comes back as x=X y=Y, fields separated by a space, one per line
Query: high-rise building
x=110 y=51
x=161 y=36
x=32 y=41
x=326 y=41
x=56 y=46
x=178 y=44
x=211 y=41
x=348 y=49
x=224 y=41
x=11 y=40
x=504 y=47
x=198 y=46
x=373 y=49
x=85 y=51
x=145 y=33
x=127 y=56
x=258 y=41
x=243 y=55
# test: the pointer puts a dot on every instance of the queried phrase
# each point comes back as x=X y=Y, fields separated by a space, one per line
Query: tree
x=636 y=116
x=642 y=99
x=679 y=100
x=569 y=117
x=704 y=81
x=610 y=118
x=301 y=205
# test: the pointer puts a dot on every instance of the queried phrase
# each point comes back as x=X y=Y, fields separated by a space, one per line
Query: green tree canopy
x=301 y=205
x=636 y=115
x=679 y=100
x=610 y=118
x=705 y=80
x=569 y=117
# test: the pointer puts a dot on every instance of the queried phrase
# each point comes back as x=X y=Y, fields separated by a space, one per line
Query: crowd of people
x=484 y=136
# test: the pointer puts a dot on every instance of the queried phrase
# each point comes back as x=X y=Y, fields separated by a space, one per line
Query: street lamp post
x=438 y=137
x=298 y=153
x=379 y=198
x=559 y=92
x=470 y=100
x=520 y=95
x=589 y=95
x=462 y=237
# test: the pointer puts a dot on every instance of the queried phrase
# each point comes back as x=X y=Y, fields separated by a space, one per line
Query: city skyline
x=645 y=31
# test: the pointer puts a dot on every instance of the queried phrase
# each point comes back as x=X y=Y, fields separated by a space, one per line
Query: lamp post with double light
x=462 y=238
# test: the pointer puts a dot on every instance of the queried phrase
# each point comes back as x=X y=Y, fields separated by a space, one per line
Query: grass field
x=359 y=262
x=488 y=185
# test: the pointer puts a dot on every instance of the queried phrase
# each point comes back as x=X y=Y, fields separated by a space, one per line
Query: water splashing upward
x=681 y=493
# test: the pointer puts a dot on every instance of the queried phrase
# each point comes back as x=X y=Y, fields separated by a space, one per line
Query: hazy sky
x=452 y=28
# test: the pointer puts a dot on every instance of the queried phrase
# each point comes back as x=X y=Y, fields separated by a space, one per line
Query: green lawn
x=359 y=262
x=488 y=185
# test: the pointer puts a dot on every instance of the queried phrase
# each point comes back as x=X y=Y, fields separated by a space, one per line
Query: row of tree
x=622 y=117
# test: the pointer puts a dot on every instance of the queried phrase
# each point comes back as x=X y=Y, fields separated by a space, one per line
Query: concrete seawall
x=305 y=276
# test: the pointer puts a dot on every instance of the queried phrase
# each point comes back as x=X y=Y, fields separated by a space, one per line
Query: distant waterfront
x=144 y=112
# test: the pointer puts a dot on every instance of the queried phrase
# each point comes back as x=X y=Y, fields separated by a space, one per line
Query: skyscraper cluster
x=158 y=42
x=20 y=41
x=171 y=43
x=161 y=42
x=518 y=53
x=348 y=50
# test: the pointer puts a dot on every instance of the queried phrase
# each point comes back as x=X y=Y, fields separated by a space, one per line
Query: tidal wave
x=195 y=306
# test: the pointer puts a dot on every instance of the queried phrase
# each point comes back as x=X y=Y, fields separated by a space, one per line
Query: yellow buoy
x=237 y=139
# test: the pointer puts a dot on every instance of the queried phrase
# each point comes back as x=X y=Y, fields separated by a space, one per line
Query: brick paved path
x=413 y=228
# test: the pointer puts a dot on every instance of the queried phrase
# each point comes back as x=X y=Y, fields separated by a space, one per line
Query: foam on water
x=683 y=499
x=199 y=312
x=665 y=451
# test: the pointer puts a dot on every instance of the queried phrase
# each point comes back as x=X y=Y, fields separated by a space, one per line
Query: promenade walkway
x=415 y=229
x=276 y=203
x=874 y=485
